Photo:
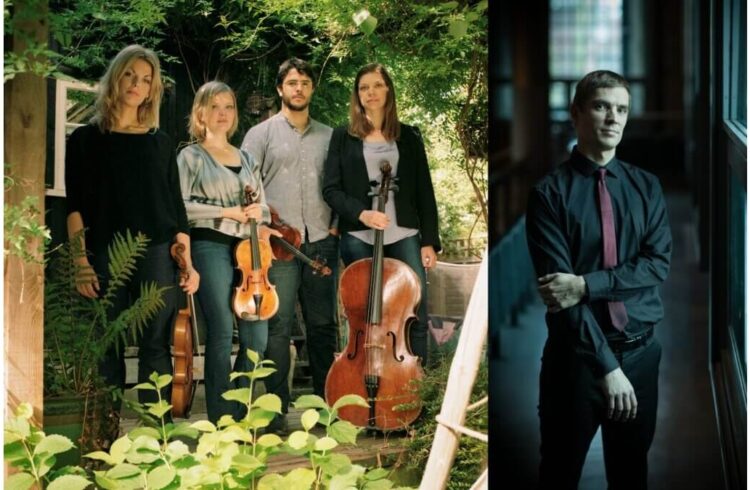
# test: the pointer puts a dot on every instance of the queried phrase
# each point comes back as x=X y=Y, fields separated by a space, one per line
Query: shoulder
x=553 y=182
x=409 y=132
x=319 y=127
x=247 y=158
x=641 y=177
x=161 y=136
x=85 y=133
x=191 y=154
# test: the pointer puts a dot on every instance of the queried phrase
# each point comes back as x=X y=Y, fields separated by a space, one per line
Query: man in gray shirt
x=291 y=149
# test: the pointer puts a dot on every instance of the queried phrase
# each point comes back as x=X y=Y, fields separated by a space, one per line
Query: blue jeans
x=409 y=251
x=214 y=262
x=153 y=345
x=317 y=296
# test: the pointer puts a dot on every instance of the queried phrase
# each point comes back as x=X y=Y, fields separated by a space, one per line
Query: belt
x=632 y=343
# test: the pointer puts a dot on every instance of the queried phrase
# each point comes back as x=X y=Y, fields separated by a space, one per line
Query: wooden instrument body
x=401 y=294
x=254 y=265
x=184 y=347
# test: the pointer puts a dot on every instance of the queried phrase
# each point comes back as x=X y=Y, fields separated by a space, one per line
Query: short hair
x=303 y=67
x=596 y=80
x=202 y=100
x=107 y=102
x=359 y=125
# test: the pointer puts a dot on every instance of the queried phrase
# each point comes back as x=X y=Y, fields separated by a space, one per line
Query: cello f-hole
x=352 y=355
x=393 y=348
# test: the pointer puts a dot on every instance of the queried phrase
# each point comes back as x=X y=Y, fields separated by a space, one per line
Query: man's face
x=296 y=90
x=600 y=122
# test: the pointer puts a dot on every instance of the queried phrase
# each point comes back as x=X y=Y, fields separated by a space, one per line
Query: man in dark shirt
x=599 y=238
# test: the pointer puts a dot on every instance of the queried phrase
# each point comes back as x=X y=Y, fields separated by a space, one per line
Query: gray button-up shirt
x=291 y=164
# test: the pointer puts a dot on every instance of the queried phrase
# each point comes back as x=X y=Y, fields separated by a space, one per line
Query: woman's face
x=373 y=92
x=135 y=83
x=218 y=116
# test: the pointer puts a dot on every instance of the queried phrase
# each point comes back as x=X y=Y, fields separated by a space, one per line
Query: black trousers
x=154 y=344
x=572 y=406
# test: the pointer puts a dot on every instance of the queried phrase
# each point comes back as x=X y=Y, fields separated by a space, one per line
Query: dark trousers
x=317 y=296
x=409 y=251
x=572 y=406
x=154 y=344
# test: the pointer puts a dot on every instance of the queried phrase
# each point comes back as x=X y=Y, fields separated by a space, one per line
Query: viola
x=380 y=297
x=255 y=298
x=185 y=346
x=286 y=247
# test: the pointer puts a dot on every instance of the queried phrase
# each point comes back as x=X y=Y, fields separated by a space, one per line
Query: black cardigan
x=346 y=184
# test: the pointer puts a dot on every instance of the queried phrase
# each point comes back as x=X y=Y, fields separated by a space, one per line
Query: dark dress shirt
x=124 y=181
x=564 y=232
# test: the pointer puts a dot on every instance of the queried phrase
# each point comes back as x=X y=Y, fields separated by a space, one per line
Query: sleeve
x=254 y=144
x=173 y=176
x=77 y=179
x=426 y=204
x=549 y=252
x=647 y=269
x=188 y=164
x=257 y=184
x=334 y=193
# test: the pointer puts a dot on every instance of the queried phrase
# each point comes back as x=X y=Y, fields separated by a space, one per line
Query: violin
x=380 y=297
x=185 y=346
x=286 y=247
x=255 y=298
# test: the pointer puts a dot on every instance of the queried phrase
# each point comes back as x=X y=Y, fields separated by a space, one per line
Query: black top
x=564 y=232
x=346 y=184
x=120 y=181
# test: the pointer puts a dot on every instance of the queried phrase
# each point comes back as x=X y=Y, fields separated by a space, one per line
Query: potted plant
x=78 y=331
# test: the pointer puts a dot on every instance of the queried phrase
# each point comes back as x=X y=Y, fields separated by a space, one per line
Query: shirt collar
x=281 y=115
x=585 y=166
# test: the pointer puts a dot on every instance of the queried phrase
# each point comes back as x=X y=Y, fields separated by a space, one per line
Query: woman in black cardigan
x=354 y=155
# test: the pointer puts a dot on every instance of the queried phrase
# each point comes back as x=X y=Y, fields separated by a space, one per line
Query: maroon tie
x=617 y=311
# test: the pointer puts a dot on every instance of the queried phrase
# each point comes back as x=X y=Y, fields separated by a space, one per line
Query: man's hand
x=560 y=291
x=622 y=404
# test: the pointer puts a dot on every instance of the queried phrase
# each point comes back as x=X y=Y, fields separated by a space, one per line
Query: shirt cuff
x=597 y=284
x=607 y=361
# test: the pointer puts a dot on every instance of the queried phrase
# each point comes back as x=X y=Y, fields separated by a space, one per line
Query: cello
x=255 y=298
x=185 y=345
x=380 y=297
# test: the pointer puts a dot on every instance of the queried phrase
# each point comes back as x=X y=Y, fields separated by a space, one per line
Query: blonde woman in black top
x=121 y=174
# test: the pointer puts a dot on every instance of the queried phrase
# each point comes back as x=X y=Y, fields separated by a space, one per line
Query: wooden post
x=461 y=380
x=25 y=156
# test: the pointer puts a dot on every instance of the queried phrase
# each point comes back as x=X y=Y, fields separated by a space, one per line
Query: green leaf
x=336 y=464
x=177 y=449
x=325 y=444
x=253 y=356
x=53 y=444
x=163 y=380
x=310 y=401
x=160 y=477
x=203 y=426
x=120 y=448
x=183 y=429
x=365 y=21
x=235 y=433
x=145 y=386
x=270 y=440
x=268 y=402
x=144 y=450
x=102 y=456
x=350 y=400
x=344 y=432
x=19 y=481
x=25 y=410
x=298 y=439
x=299 y=479
x=144 y=431
x=458 y=28
x=448 y=5
x=160 y=408
x=262 y=372
x=245 y=464
x=377 y=474
x=378 y=485
x=122 y=471
x=224 y=421
x=241 y=395
x=309 y=419
x=69 y=482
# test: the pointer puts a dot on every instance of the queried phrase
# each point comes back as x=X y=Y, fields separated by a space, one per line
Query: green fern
x=78 y=331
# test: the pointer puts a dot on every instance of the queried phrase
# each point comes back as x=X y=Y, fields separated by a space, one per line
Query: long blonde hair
x=203 y=98
x=107 y=99
x=359 y=125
